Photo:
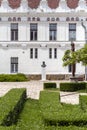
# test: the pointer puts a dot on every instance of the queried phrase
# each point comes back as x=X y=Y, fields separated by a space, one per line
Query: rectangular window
x=55 y=53
x=50 y=53
x=14 y=64
x=33 y=32
x=33 y=53
x=70 y=68
x=14 y=31
x=52 y=32
x=72 y=32
x=36 y=53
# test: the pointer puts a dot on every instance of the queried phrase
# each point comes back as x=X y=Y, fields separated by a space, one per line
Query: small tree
x=71 y=58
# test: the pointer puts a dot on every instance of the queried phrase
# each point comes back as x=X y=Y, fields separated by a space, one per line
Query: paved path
x=33 y=90
x=33 y=87
x=69 y=97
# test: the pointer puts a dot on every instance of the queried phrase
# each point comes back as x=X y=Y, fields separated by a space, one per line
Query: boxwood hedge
x=11 y=105
x=57 y=114
x=50 y=85
x=71 y=87
x=12 y=78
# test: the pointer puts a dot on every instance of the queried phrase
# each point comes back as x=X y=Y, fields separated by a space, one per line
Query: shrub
x=30 y=118
x=49 y=85
x=12 y=77
x=11 y=105
x=57 y=114
x=71 y=87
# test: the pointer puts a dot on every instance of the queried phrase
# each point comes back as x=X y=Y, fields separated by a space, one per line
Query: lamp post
x=85 y=43
x=73 y=65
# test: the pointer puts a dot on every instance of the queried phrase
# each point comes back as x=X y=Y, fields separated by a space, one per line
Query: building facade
x=34 y=35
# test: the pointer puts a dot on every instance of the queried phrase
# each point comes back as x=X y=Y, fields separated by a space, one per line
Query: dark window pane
x=72 y=31
x=33 y=31
x=50 y=53
x=14 y=64
x=14 y=31
x=36 y=53
x=52 y=31
x=55 y=53
x=31 y=53
x=70 y=68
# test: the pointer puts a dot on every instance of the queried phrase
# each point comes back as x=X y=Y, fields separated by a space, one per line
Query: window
x=50 y=53
x=55 y=53
x=33 y=53
x=33 y=32
x=67 y=19
x=70 y=68
x=52 y=32
x=14 y=31
x=72 y=31
x=36 y=53
x=14 y=64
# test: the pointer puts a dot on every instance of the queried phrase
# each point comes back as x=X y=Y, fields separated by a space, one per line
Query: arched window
x=67 y=19
x=9 y=19
x=33 y=19
x=72 y=19
x=28 y=19
x=48 y=19
x=38 y=19
x=14 y=18
x=57 y=19
x=19 y=19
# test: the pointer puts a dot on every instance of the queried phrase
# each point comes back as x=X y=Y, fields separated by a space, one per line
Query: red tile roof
x=33 y=3
x=53 y=4
x=72 y=3
x=14 y=3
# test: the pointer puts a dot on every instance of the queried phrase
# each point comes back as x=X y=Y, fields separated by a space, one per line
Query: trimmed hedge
x=50 y=85
x=57 y=114
x=11 y=105
x=71 y=87
x=12 y=78
x=30 y=118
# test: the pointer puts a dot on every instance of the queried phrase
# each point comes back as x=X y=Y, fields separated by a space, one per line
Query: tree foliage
x=75 y=57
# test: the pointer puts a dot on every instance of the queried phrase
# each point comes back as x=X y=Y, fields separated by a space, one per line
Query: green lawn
x=48 y=113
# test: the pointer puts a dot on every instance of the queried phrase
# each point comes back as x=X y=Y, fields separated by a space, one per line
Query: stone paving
x=69 y=97
x=33 y=90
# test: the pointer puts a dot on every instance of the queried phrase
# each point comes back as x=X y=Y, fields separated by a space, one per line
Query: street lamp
x=85 y=43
